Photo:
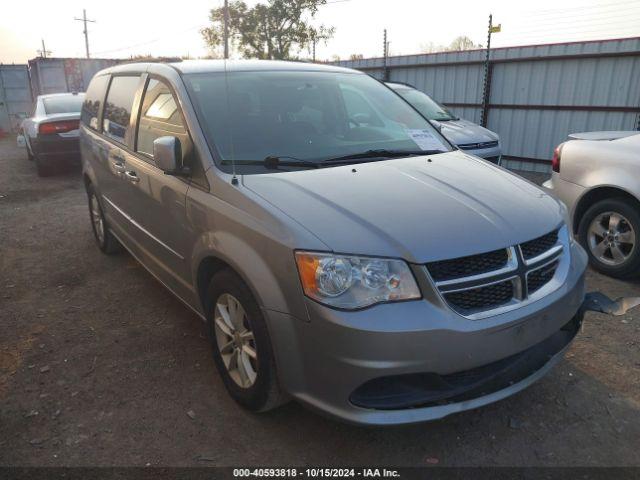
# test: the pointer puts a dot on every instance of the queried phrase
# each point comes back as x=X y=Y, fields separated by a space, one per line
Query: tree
x=278 y=29
x=430 y=47
x=462 y=43
x=356 y=56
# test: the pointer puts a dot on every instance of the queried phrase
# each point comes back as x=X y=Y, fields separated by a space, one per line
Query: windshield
x=63 y=104
x=308 y=116
x=425 y=105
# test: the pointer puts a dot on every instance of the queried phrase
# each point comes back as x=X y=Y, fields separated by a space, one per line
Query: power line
x=573 y=9
x=572 y=19
x=578 y=28
x=148 y=42
x=571 y=16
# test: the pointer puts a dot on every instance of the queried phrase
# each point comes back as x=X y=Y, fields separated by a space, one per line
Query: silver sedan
x=599 y=181
x=50 y=135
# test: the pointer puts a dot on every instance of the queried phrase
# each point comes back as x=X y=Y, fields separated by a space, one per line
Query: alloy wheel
x=611 y=238
x=235 y=341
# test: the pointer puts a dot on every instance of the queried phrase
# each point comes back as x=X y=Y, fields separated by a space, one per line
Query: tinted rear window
x=117 y=110
x=92 y=100
x=63 y=104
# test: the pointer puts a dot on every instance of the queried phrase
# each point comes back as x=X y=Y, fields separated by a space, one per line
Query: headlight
x=349 y=282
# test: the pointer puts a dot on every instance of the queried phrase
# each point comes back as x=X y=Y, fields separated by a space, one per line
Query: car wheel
x=104 y=238
x=610 y=233
x=240 y=343
x=27 y=147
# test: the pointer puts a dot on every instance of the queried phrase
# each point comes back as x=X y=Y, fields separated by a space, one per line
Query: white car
x=50 y=135
x=599 y=181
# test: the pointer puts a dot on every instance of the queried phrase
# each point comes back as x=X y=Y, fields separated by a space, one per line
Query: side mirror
x=167 y=155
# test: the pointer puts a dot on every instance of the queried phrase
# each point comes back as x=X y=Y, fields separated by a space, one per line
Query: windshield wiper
x=273 y=162
x=381 y=154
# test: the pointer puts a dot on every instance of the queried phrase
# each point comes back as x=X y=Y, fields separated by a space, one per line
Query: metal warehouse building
x=537 y=94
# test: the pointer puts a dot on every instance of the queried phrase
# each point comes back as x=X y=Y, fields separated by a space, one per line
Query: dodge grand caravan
x=339 y=249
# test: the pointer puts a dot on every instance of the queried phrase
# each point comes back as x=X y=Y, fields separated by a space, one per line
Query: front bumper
x=324 y=360
x=492 y=155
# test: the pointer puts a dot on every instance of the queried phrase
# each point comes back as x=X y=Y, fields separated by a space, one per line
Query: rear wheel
x=27 y=147
x=610 y=233
x=241 y=345
x=104 y=238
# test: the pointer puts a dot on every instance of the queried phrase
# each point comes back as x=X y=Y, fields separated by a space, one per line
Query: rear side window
x=159 y=117
x=63 y=104
x=92 y=100
x=117 y=109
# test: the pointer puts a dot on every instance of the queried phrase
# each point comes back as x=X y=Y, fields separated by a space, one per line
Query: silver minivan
x=341 y=252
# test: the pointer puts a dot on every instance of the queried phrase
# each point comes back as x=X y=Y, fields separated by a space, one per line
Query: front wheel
x=240 y=343
x=610 y=231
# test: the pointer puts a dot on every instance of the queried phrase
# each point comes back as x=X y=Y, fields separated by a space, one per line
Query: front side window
x=425 y=105
x=63 y=104
x=117 y=109
x=159 y=117
x=308 y=116
x=92 y=100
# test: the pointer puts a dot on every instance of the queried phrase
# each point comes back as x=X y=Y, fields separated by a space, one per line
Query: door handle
x=131 y=176
x=119 y=166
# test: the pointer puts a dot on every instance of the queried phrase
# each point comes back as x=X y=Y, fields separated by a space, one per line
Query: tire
x=608 y=217
x=27 y=147
x=263 y=392
x=107 y=243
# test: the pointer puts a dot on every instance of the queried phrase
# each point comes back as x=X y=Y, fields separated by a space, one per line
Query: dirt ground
x=100 y=365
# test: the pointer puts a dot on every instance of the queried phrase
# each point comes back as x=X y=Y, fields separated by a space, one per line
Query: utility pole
x=226 y=29
x=84 y=20
x=488 y=70
x=44 y=52
x=385 y=53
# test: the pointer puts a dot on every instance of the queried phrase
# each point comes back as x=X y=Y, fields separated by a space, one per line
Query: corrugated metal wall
x=539 y=94
x=59 y=75
x=15 y=96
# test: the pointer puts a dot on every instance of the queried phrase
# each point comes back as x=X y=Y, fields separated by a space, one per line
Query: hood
x=409 y=208
x=463 y=131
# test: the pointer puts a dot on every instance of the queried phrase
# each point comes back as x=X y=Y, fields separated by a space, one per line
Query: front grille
x=477 y=145
x=539 y=245
x=540 y=277
x=478 y=284
x=468 y=266
x=481 y=298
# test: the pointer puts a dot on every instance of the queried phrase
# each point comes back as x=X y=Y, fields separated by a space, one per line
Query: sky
x=124 y=28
